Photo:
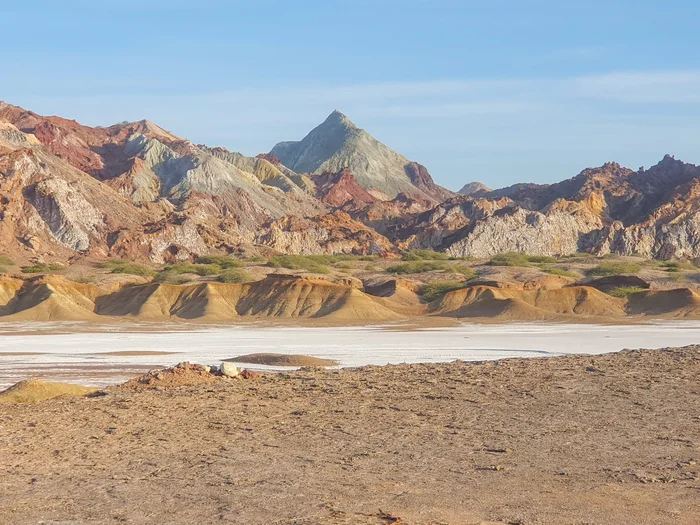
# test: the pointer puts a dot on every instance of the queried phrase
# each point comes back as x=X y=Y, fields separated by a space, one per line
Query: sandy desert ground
x=610 y=439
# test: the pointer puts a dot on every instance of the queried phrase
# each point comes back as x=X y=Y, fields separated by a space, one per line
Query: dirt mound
x=523 y=305
x=282 y=360
x=33 y=390
x=183 y=374
x=678 y=303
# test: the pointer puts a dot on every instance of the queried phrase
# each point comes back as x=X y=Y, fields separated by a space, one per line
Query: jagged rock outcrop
x=324 y=234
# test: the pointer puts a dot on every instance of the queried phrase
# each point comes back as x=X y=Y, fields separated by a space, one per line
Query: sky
x=501 y=92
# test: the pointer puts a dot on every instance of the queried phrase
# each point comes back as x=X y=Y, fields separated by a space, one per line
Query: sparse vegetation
x=468 y=272
x=625 y=291
x=519 y=259
x=417 y=267
x=169 y=277
x=127 y=267
x=222 y=261
x=675 y=266
x=561 y=272
x=509 y=259
x=424 y=255
x=309 y=263
x=234 y=275
x=202 y=270
x=6 y=261
x=432 y=291
x=42 y=268
x=677 y=277
x=613 y=268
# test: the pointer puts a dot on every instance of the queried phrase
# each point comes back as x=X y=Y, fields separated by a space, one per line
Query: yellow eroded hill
x=525 y=305
x=679 y=303
x=58 y=299
x=54 y=298
x=33 y=390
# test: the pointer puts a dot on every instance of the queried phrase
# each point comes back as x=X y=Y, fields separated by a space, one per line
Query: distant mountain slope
x=137 y=191
x=337 y=143
x=474 y=188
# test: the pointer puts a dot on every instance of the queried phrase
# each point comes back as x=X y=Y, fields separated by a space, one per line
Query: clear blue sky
x=498 y=91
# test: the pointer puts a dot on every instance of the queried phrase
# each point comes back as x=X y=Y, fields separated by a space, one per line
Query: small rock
x=249 y=374
x=229 y=370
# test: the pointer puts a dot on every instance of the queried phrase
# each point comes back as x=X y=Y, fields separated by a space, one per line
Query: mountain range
x=136 y=191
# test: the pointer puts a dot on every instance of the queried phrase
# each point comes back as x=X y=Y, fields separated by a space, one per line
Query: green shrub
x=613 y=268
x=468 y=272
x=222 y=261
x=165 y=276
x=562 y=272
x=235 y=276
x=198 y=269
x=674 y=266
x=42 y=268
x=418 y=267
x=432 y=291
x=510 y=259
x=343 y=266
x=540 y=259
x=625 y=291
x=127 y=267
x=6 y=261
x=309 y=263
x=424 y=255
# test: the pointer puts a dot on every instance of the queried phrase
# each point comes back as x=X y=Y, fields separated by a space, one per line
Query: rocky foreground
x=612 y=439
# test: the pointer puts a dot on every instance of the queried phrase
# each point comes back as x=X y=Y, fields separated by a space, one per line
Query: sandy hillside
x=601 y=440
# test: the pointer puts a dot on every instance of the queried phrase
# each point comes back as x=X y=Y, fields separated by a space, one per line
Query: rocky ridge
x=137 y=191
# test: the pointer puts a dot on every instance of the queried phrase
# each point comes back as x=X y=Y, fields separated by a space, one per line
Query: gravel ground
x=612 y=439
